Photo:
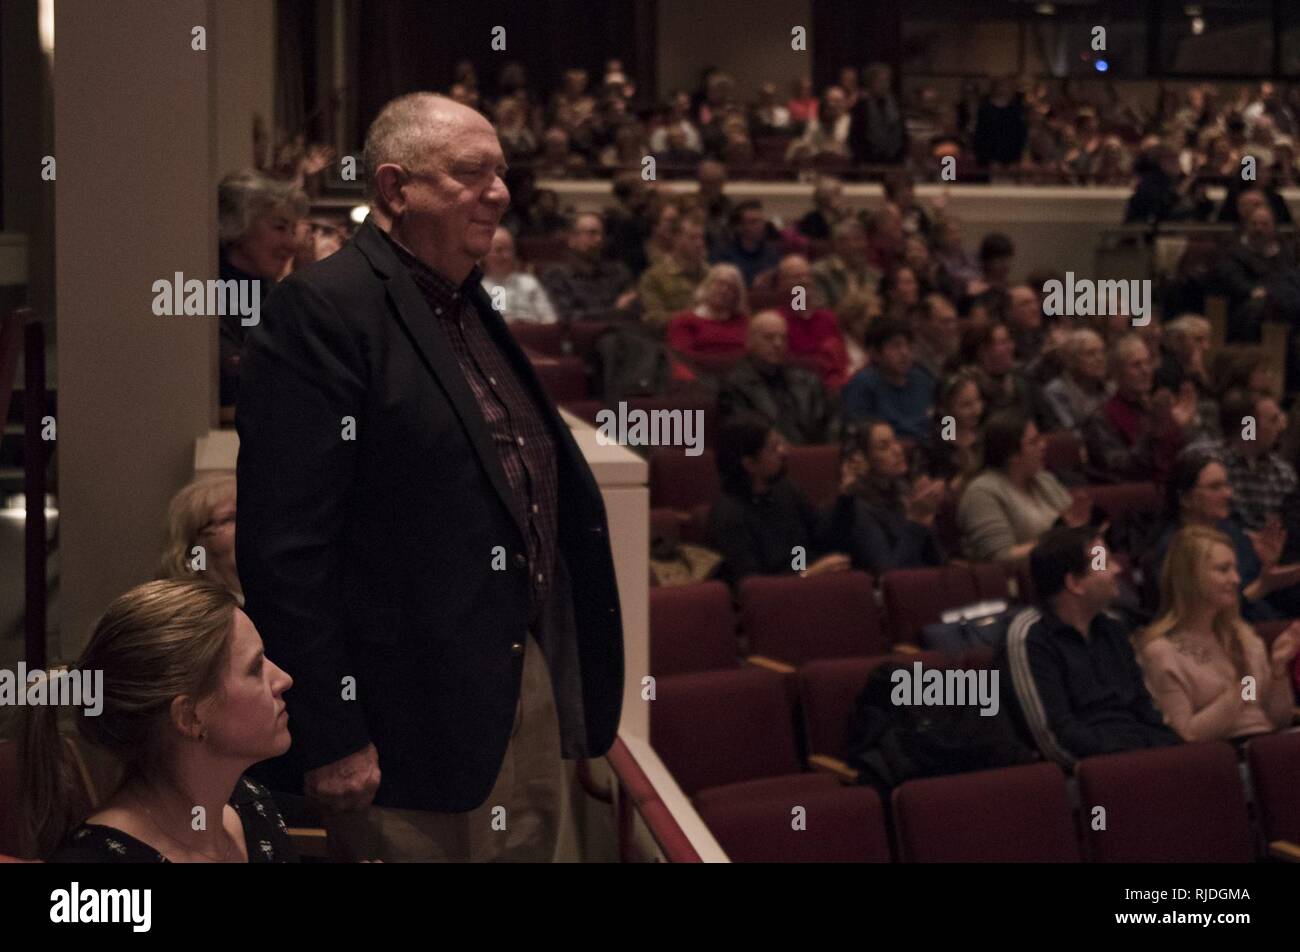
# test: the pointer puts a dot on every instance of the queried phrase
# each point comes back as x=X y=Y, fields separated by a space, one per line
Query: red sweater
x=816 y=335
x=694 y=336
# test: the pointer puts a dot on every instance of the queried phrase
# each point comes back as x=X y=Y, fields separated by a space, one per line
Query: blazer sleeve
x=303 y=374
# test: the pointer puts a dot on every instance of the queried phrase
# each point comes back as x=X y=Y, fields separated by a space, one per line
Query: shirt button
x=437 y=310
x=536 y=508
x=520 y=440
x=540 y=577
x=517 y=648
x=492 y=380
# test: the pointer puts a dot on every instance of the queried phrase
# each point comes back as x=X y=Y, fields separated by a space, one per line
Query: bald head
x=765 y=338
x=411 y=128
x=436 y=179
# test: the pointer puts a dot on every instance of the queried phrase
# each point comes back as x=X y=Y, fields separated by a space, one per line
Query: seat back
x=815 y=470
x=915 y=598
x=797 y=620
x=840 y=825
x=682 y=482
x=1182 y=804
x=1125 y=498
x=827 y=692
x=692 y=628
x=1012 y=815
x=718 y=727
x=1275 y=768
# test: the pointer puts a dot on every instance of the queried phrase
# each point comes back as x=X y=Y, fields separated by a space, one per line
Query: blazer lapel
x=427 y=335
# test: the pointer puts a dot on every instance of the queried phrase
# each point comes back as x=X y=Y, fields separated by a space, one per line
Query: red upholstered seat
x=682 y=482
x=796 y=620
x=827 y=690
x=563 y=378
x=544 y=339
x=992 y=579
x=583 y=335
x=1275 y=768
x=840 y=825
x=1182 y=804
x=541 y=249
x=692 y=628
x=1013 y=815
x=1064 y=452
x=915 y=598
x=716 y=728
x=1123 y=498
x=815 y=470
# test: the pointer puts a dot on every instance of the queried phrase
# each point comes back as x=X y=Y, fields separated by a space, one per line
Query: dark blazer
x=812 y=417
x=395 y=558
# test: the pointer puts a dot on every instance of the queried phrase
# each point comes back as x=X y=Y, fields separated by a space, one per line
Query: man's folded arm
x=302 y=374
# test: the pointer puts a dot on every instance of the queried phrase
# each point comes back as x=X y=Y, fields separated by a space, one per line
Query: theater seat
x=1275 y=769
x=839 y=825
x=795 y=620
x=692 y=628
x=544 y=339
x=1063 y=454
x=716 y=728
x=1182 y=804
x=1012 y=815
x=563 y=378
x=682 y=482
x=915 y=598
x=1124 y=498
x=815 y=470
x=827 y=692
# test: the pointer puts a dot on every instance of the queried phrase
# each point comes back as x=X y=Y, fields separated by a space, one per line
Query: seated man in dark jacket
x=761 y=523
x=763 y=383
x=1078 y=684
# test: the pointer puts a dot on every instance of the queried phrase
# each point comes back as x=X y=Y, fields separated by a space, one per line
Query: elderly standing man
x=414 y=522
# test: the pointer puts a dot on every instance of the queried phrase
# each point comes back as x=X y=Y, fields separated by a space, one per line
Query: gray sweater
x=994 y=516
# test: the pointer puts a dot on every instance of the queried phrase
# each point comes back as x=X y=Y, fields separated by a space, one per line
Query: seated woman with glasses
x=201 y=534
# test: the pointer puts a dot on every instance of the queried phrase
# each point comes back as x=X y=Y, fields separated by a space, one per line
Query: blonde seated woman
x=1198 y=652
x=202 y=516
x=189 y=702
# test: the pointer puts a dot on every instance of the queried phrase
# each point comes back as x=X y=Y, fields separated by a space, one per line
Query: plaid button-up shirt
x=1258 y=488
x=518 y=432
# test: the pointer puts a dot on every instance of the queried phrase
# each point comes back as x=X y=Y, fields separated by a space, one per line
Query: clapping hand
x=1078 y=512
x=1286 y=646
x=924 y=500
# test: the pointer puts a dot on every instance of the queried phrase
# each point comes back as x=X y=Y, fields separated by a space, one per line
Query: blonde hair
x=158 y=641
x=188 y=514
x=1180 y=593
x=716 y=273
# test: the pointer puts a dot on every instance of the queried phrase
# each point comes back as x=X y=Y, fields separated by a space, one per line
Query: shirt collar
x=436 y=287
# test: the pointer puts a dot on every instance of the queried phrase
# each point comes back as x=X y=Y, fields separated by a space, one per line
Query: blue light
x=1102 y=66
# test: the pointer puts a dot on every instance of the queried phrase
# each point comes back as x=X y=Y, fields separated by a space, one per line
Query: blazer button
x=517 y=648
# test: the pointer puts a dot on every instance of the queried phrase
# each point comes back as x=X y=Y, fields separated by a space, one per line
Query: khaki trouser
x=518 y=822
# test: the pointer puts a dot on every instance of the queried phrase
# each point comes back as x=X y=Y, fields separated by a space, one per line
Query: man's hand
x=851 y=470
x=1268 y=543
x=625 y=299
x=835 y=562
x=347 y=784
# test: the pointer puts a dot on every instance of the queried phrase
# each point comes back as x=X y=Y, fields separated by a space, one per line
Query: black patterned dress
x=265 y=836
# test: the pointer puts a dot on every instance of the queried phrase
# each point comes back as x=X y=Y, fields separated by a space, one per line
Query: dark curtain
x=854 y=34
x=410 y=45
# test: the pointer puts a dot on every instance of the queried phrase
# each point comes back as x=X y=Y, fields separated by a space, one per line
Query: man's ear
x=388 y=182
